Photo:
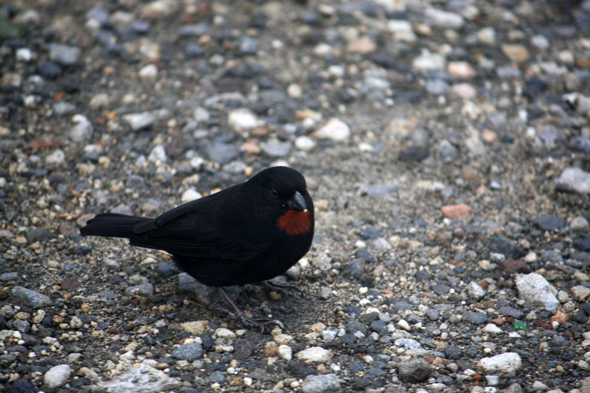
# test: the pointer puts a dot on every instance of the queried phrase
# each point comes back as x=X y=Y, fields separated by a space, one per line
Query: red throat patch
x=295 y=222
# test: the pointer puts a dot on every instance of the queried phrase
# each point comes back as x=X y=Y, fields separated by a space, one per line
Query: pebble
x=275 y=148
x=241 y=120
x=64 y=54
x=414 y=371
x=505 y=365
x=189 y=352
x=57 y=376
x=362 y=45
x=304 y=143
x=461 y=69
x=335 y=129
x=475 y=290
x=149 y=72
x=429 y=61
x=140 y=121
x=82 y=130
x=315 y=354
x=549 y=223
x=145 y=289
x=580 y=293
x=29 y=297
x=456 y=211
x=321 y=384
x=573 y=180
x=248 y=46
x=158 y=154
x=537 y=291
x=487 y=35
x=515 y=52
x=55 y=158
x=190 y=195
x=285 y=352
x=444 y=19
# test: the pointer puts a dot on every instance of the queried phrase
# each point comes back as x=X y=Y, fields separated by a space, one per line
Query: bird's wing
x=195 y=230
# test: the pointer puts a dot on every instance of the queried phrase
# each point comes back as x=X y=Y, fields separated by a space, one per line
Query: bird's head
x=285 y=187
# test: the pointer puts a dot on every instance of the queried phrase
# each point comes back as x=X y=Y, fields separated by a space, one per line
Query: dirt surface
x=438 y=140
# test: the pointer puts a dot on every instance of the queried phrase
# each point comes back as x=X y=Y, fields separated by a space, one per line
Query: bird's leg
x=239 y=314
x=282 y=287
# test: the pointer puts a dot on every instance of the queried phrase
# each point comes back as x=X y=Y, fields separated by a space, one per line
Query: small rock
x=456 y=211
x=190 y=195
x=580 y=293
x=64 y=54
x=158 y=154
x=189 y=352
x=29 y=297
x=140 y=121
x=579 y=224
x=194 y=327
x=56 y=158
x=414 y=371
x=241 y=120
x=506 y=364
x=362 y=45
x=145 y=289
x=57 y=376
x=321 y=383
x=285 y=352
x=475 y=290
x=334 y=129
x=537 y=291
x=40 y=235
x=573 y=180
x=444 y=19
x=549 y=223
x=315 y=354
x=461 y=69
x=476 y=318
x=275 y=148
x=516 y=52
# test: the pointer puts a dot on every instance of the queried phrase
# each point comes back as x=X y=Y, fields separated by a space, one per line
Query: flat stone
x=506 y=364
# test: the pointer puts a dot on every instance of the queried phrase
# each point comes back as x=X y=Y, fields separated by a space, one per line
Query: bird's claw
x=281 y=287
x=261 y=323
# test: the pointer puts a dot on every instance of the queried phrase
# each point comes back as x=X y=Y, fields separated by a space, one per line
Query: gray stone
x=573 y=180
x=321 y=383
x=414 y=371
x=145 y=289
x=64 y=54
x=537 y=291
x=189 y=352
x=57 y=376
x=29 y=297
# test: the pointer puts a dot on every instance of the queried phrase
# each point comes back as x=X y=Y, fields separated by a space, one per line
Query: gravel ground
x=446 y=146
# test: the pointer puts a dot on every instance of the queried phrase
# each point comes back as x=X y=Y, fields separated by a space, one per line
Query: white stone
x=57 y=376
x=190 y=195
x=315 y=354
x=506 y=364
x=487 y=35
x=242 y=119
x=158 y=153
x=285 y=352
x=304 y=143
x=334 y=129
x=57 y=157
x=492 y=328
x=150 y=71
x=444 y=19
x=580 y=293
x=429 y=61
x=475 y=290
x=225 y=334
x=537 y=291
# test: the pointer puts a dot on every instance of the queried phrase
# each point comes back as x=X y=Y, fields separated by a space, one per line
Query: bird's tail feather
x=112 y=225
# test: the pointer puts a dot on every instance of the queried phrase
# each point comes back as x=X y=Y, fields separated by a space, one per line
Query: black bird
x=247 y=233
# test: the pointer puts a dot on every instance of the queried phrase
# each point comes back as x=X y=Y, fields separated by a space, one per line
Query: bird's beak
x=297 y=203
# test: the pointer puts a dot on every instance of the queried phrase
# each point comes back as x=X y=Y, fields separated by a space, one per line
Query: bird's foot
x=236 y=313
x=282 y=287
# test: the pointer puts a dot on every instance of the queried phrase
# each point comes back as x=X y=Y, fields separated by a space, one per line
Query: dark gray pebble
x=549 y=223
x=476 y=318
x=413 y=371
x=189 y=352
x=40 y=235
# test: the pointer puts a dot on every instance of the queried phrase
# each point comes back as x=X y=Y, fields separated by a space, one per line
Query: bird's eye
x=274 y=193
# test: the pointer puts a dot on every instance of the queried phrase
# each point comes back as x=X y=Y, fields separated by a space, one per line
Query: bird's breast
x=295 y=222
